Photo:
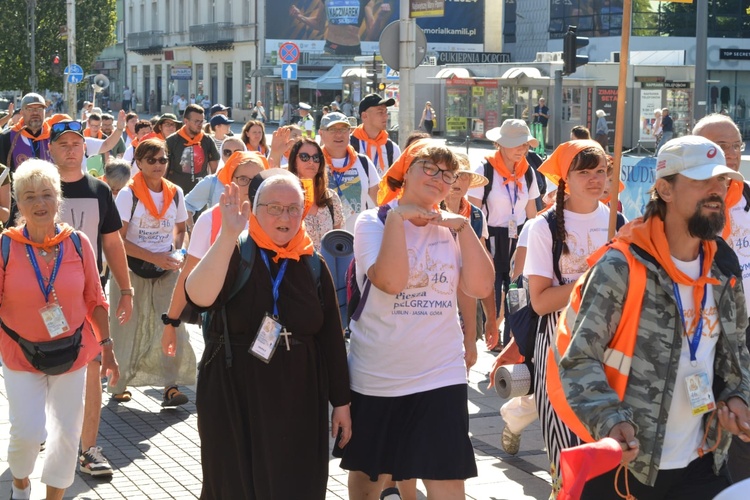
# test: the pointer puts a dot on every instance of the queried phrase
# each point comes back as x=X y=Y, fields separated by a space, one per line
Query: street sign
x=390 y=73
x=390 y=43
x=74 y=73
x=289 y=71
x=289 y=52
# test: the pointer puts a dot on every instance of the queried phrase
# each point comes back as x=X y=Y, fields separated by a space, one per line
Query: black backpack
x=523 y=323
x=489 y=172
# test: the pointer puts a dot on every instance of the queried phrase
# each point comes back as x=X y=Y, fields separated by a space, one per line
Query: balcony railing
x=214 y=36
x=145 y=42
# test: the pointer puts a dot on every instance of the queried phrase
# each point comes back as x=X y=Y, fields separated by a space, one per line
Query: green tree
x=95 y=30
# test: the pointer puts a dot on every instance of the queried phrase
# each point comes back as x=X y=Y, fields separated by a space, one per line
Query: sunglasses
x=152 y=161
x=65 y=126
x=306 y=157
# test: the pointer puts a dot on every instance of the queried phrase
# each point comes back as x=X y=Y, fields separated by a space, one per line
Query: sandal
x=123 y=397
x=173 y=397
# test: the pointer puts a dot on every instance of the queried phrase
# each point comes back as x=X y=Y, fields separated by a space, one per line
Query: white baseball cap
x=695 y=157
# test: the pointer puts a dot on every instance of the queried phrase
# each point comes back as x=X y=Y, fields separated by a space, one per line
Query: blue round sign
x=74 y=72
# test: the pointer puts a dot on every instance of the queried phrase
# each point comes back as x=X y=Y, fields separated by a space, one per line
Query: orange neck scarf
x=519 y=170
x=143 y=193
x=188 y=141
x=734 y=195
x=300 y=244
x=464 y=208
x=20 y=127
x=348 y=164
x=130 y=134
x=16 y=233
x=373 y=144
x=87 y=133
x=651 y=237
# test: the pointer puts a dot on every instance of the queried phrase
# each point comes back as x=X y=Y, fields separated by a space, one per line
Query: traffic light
x=56 y=65
x=571 y=44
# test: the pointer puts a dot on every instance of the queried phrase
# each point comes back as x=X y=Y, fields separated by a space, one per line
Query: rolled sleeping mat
x=512 y=381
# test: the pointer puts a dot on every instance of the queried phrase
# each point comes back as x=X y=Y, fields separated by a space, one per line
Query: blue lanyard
x=363 y=147
x=513 y=199
x=338 y=177
x=695 y=341
x=46 y=290
x=276 y=281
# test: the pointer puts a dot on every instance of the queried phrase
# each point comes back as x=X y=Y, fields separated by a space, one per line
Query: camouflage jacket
x=657 y=351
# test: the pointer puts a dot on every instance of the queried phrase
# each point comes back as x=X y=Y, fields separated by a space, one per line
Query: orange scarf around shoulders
x=20 y=127
x=16 y=234
x=349 y=163
x=650 y=236
x=143 y=193
x=87 y=133
x=519 y=170
x=376 y=144
x=195 y=141
x=734 y=195
x=300 y=244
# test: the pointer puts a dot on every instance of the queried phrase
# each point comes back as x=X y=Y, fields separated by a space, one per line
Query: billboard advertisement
x=353 y=27
x=650 y=102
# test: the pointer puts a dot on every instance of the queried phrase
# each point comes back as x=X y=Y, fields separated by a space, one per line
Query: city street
x=155 y=452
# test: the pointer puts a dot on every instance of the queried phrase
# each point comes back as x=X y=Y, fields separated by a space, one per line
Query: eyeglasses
x=60 y=127
x=735 y=146
x=228 y=152
x=338 y=130
x=306 y=157
x=276 y=209
x=153 y=161
x=448 y=176
x=241 y=180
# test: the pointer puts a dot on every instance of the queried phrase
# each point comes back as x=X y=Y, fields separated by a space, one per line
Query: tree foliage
x=95 y=30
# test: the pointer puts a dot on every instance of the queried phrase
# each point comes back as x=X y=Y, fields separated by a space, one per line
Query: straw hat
x=477 y=180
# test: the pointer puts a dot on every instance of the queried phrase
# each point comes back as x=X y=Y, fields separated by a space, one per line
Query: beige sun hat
x=511 y=134
x=477 y=180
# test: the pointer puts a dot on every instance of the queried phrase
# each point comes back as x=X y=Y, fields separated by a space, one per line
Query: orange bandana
x=142 y=192
x=20 y=127
x=87 y=133
x=651 y=237
x=238 y=158
x=734 y=195
x=398 y=171
x=556 y=166
x=349 y=163
x=131 y=135
x=300 y=244
x=373 y=144
x=519 y=169
x=465 y=208
x=16 y=233
x=188 y=141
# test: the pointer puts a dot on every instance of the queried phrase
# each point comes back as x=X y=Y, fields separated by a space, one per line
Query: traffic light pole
x=70 y=88
x=558 y=107
x=33 y=79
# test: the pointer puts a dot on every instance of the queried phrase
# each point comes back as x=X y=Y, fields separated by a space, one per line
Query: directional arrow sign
x=289 y=71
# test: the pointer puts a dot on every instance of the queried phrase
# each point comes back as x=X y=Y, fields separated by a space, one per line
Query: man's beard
x=707 y=227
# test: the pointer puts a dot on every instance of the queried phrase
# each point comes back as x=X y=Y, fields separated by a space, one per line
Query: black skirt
x=418 y=436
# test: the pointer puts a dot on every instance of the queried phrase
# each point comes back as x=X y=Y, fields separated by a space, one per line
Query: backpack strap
x=247 y=258
x=476 y=221
x=365 y=161
x=175 y=200
x=354 y=142
x=389 y=151
x=489 y=173
x=746 y=195
x=382 y=214
x=313 y=265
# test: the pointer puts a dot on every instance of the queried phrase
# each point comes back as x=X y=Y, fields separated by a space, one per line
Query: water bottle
x=179 y=254
x=516 y=298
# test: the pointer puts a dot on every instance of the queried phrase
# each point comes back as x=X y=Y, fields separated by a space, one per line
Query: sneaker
x=173 y=397
x=511 y=442
x=93 y=462
x=390 y=494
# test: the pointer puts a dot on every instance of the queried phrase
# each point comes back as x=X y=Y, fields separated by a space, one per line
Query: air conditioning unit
x=543 y=57
x=614 y=56
x=431 y=61
x=556 y=56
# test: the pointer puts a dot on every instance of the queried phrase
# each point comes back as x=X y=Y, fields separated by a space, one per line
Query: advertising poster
x=650 y=101
x=353 y=27
x=606 y=99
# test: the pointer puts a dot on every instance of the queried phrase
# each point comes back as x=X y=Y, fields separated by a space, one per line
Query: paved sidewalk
x=156 y=452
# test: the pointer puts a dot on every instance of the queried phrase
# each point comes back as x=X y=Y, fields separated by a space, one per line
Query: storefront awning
x=517 y=73
x=331 y=80
x=454 y=73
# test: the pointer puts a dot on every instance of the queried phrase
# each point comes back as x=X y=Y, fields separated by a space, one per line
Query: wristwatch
x=169 y=321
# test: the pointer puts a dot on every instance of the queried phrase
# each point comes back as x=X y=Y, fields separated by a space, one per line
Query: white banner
x=650 y=101
x=638 y=173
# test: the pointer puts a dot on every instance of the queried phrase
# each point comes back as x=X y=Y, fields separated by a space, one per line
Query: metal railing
x=204 y=34
x=145 y=40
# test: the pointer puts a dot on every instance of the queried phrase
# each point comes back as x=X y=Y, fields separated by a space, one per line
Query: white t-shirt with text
x=146 y=231
x=352 y=187
x=505 y=200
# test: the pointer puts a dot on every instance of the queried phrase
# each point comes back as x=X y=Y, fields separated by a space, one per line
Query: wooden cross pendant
x=286 y=335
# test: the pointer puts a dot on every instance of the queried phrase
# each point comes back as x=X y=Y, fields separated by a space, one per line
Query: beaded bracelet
x=462 y=226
